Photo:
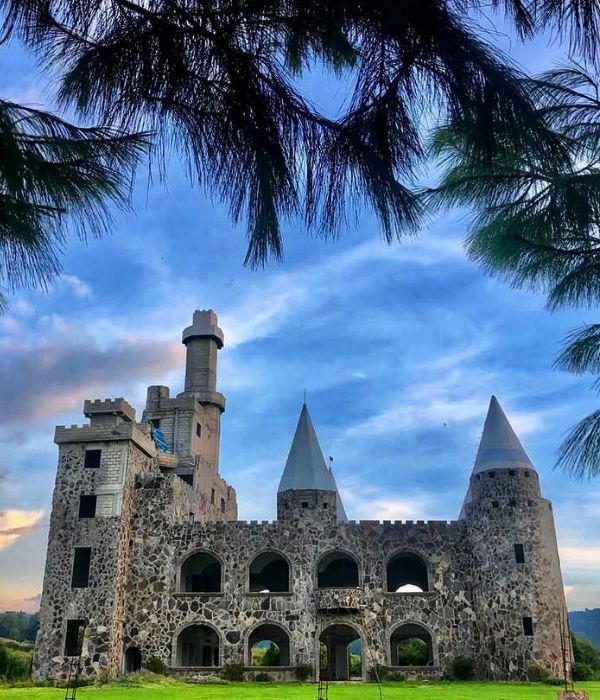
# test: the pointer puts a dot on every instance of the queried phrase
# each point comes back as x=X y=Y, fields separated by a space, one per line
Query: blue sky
x=399 y=349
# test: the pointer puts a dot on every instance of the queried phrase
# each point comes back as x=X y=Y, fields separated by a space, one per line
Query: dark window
x=495 y=504
x=222 y=505
x=519 y=554
x=325 y=505
x=528 y=627
x=92 y=459
x=74 y=638
x=81 y=567
x=491 y=474
x=511 y=472
x=550 y=506
x=212 y=496
x=478 y=477
x=155 y=422
x=87 y=506
x=305 y=504
x=191 y=517
x=526 y=472
x=512 y=502
x=198 y=430
x=530 y=503
x=188 y=478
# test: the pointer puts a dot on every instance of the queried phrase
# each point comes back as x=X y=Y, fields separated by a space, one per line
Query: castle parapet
x=339 y=599
x=108 y=411
x=105 y=433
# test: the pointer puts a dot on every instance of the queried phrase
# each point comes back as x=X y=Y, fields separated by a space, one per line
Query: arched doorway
x=337 y=570
x=340 y=653
x=270 y=573
x=407 y=573
x=133 y=660
x=198 y=645
x=200 y=573
x=411 y=645
x=268 y=645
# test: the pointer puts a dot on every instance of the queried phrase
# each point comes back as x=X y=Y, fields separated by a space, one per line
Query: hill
x=586 y=623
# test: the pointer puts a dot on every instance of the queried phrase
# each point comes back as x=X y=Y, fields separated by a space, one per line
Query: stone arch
x=132 y=661
x=197 y=641
x=336 y=638
x=268 y=630
x=409 y=570
x=338 y=568
x=200 y=571
x=270 y=571
x=411 y=629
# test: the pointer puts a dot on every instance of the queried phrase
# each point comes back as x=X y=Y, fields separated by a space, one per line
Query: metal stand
x=73 y=679
x=565 y=648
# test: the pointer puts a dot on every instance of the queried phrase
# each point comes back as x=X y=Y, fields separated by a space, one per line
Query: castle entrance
x=340 y=653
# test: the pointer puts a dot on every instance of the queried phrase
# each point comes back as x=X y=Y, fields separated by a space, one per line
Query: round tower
x=517 y=582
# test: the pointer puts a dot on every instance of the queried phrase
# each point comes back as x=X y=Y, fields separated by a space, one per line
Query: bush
x=303 y=672
x=582 y=672
x=156 y=665
x=15 y=664
x=233 y=672
x=462 y=668
x=396 y=677
x=262 y=677
x=554 y=681
x=537 y=673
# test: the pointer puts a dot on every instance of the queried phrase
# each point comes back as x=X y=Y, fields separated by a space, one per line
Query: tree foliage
x=220 y=83
x=55 y=178
x=537 y=222
x=20 y=626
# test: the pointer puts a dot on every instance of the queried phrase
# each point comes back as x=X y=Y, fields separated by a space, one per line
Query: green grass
x=306 y=691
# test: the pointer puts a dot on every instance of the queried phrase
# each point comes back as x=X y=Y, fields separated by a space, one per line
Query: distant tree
x=537 y=222
x=586 y=653
x=412 y=652
x=272 y=655
x=20 y=626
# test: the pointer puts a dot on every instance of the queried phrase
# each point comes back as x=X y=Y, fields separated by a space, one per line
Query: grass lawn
x=306 y=691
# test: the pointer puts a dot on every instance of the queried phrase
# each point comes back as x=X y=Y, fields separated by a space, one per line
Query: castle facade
x=147 y=560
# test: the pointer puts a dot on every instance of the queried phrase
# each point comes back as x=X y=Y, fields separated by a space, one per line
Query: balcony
x=339 y=599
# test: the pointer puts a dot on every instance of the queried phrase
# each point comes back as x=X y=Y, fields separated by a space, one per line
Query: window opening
x=92 y=459
x=81 y=567
x=87 y=506
x=74 y=637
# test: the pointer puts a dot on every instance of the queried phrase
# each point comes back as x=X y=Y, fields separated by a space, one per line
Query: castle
x=147 y=560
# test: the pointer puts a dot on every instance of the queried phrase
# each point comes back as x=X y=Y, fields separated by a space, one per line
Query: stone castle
x=147 y=560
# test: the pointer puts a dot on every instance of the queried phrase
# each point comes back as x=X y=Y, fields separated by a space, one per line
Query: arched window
x=411 y=645
x=337 y=570
x=198 y=645
x=340 y=654
x=269 y=573
x=200 y=573
x=133 y=660
x=407 y=573
x=269 y=645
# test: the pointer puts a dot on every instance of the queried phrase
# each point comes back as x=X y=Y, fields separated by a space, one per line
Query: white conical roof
x=305 y=468
x=499 y=447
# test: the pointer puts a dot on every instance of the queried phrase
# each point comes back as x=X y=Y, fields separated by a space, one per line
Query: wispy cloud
x=77 y=286
x=16 y=523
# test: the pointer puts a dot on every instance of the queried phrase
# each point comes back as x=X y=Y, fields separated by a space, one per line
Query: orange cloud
x=16 y=523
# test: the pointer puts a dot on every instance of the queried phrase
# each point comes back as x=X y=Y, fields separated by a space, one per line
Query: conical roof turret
x=305 y=468
x=499 y=448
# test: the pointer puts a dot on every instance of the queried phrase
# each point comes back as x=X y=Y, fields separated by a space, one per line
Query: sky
x=397 y=347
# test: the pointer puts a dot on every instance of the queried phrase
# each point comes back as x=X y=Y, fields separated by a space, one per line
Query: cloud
x=79 y=288
x=16 y=523
x=580 y=557
x=20 y=307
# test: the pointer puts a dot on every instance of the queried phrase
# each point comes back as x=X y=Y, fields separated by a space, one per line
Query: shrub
x=582 y=672
x=303 y=672
x=156 y=665
x=262 y=677
x=462 y=668
x=15 y=664
x=537 y=673
x=554 y=681
x=396 y=677
x=233 y=672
